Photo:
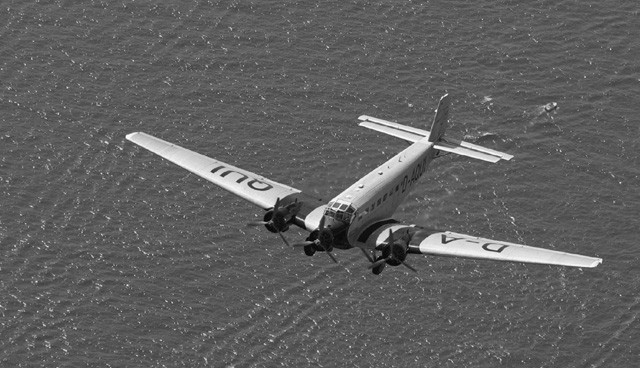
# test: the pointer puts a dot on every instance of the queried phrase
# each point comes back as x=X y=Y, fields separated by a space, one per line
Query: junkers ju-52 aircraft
x=361 y=216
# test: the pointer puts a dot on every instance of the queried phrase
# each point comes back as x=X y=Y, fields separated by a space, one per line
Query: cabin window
x=379 y=200
x=385 y=197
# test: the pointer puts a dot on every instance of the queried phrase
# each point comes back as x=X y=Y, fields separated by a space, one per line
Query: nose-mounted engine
x=332 y=231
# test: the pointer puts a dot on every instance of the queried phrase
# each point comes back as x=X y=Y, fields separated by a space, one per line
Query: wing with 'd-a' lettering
x=461 y=245
x=245 y=184
x=396 y=241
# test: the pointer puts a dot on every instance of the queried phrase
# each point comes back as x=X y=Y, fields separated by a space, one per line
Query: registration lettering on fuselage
x=417 y=172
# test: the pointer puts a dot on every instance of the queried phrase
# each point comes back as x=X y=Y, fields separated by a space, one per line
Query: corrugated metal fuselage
x=378 y=194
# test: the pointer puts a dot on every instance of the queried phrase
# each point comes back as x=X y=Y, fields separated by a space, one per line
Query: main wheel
x=309 y=250
x=378 y=269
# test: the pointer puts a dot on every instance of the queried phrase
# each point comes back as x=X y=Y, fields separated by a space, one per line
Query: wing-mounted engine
x=278 y=218
x=394 y=251
x=392 y=240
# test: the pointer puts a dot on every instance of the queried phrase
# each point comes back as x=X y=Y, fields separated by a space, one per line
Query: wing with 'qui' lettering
x=460 y=245
x=245 y=184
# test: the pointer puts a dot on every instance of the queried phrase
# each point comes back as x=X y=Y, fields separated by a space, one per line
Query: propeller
x=324 y=240
x=280 y=217
x=396 y=254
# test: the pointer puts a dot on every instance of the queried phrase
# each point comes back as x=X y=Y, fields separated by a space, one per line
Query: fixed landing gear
x=310 y=250
x=380 y=267
x=318 y=241
x=378 y=263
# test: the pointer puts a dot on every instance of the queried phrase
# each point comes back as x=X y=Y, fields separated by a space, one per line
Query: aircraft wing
x=245 y=184
x=460 y=245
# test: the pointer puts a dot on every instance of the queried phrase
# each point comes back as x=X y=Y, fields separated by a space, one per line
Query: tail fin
x=440 y=120
x=455 y=146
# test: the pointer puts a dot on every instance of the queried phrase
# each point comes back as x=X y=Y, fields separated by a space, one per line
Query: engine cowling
x=394 y=248
x=273 y=223
x=398 y=253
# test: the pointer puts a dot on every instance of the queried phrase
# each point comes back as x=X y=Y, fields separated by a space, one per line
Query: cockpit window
x=342 y=211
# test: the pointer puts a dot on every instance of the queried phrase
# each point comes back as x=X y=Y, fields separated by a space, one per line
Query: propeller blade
x=302 y=244
x=283 y=239
x=257 y=223
x=409 y=267
x=332 y=257
x=367 y=255
x=294 y=208
x=381 y=247
x=377 y=263
x=327 y=251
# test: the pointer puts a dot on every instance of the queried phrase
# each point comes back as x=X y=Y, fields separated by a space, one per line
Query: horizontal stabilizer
x=460 y=245
x=405 y=132
x=475 y=147
x=413 y=135
x=402 y=134
x=470 y=152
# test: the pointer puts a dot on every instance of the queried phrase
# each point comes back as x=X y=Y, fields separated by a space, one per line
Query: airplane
x=362 y=215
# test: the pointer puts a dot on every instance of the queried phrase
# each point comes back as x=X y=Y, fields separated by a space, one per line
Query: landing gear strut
x=380 y=266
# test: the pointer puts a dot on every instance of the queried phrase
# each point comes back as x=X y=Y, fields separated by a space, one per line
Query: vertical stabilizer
x=440 y=120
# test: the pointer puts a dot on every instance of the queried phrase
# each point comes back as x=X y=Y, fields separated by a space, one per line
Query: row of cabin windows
x=379 y=202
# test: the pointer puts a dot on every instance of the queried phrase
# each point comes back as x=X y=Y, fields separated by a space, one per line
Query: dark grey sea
x=113 y=257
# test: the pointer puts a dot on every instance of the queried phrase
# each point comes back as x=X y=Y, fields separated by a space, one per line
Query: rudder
x=440 y=120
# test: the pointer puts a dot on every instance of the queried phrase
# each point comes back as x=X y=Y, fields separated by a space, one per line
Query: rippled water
x=114 y=257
